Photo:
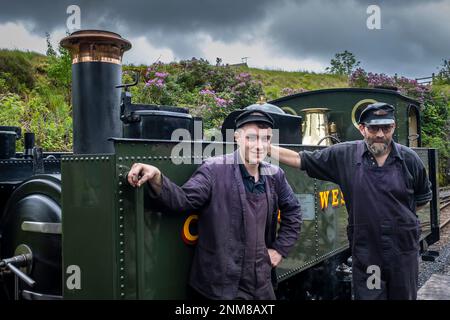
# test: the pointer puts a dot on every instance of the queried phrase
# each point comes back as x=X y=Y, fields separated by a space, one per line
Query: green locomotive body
x=80 y=231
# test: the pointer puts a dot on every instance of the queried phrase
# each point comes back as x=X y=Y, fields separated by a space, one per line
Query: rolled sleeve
x=418 y=174
x=320 y=164
x=191 y=196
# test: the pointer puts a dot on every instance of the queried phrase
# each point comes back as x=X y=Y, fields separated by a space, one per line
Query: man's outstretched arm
x=191 y=196
x=286 y=156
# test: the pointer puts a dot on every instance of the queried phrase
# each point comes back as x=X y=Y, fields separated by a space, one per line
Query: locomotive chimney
x=96 y=70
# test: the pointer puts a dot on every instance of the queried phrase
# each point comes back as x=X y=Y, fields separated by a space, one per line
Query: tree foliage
x=59 y=68
x=50 y=51
x=435 y=131
x=443 y=77
x=343 y=63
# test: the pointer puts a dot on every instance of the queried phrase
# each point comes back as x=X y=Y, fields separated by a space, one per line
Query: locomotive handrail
x=125 y=105
x=42 y=227
x=21 y=275
x=329 y=137
x=127 y=85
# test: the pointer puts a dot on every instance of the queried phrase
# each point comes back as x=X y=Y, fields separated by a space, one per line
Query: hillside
x=279 y=83
x=19 y=70
x=35 y=93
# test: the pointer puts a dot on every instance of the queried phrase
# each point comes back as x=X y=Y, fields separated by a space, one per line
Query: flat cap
x=377 y=114
x=253 y=116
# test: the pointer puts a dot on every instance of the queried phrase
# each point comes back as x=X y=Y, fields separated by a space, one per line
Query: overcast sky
x=413 y=39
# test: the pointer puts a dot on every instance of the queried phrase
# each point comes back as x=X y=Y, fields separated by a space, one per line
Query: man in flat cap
x=383 y=183
x=238 y=197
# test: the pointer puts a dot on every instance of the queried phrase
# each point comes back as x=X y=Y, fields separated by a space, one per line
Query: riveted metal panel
x=156 y=260
x=89 y=206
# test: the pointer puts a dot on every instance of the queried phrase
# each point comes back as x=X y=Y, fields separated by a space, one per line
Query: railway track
x=440 y=267
x=444 y=201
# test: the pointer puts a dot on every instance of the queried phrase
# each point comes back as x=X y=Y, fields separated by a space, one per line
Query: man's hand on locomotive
x=141 y=173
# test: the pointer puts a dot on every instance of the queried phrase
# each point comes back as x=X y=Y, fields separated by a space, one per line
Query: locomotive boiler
x=72 y=228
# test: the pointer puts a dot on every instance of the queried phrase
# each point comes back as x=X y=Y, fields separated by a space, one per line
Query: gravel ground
x=442 y=263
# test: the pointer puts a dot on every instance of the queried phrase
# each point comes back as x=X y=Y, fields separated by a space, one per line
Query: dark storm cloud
x=413 y=40
x=172 y=23
x=171 y=14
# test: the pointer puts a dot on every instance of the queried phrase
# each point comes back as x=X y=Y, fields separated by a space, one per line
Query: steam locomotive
x=72 y=228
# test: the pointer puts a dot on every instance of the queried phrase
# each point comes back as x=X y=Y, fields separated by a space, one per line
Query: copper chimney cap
x=96 y=46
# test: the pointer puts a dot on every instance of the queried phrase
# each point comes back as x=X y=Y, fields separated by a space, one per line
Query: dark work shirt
x=249 y=181
x=337 y=164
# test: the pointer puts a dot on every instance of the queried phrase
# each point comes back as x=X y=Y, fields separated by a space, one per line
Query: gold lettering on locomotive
x=324 y=199
x=337 y=198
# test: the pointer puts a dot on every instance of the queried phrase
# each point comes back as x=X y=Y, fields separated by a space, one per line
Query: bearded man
x=384 y=183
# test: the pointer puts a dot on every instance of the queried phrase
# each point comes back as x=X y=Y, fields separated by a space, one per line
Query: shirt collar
x=395 y=151
x=247 y=175
x=244 y=171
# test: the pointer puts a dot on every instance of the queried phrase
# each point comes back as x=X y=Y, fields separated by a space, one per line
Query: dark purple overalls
x=255 y=282
x=386 y=233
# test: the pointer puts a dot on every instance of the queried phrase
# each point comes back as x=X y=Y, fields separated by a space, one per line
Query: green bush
x=11 y=110
x=211 y=92
x=52 y=128
x=4 y=88
x=59 y=72
x=43 y=112
x=17 y=70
